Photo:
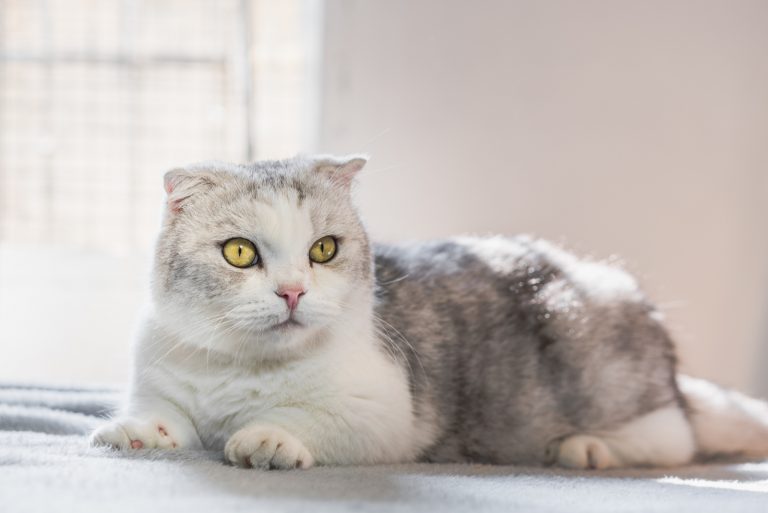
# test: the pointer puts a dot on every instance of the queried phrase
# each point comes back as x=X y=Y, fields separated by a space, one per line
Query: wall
x=615 y=127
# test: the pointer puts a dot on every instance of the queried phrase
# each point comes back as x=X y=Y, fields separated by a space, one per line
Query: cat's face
x=257 y=261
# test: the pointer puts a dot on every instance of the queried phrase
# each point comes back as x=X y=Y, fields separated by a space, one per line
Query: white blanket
x=46 y=465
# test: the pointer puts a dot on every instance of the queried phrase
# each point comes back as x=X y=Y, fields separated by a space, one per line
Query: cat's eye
x=323 y=249
x=240 y=252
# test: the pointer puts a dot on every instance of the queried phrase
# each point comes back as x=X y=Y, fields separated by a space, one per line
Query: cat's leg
x=662 y=438
x=348 y=431
x=156 y=426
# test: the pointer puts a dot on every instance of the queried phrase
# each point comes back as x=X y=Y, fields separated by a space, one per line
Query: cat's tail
x=725 y=422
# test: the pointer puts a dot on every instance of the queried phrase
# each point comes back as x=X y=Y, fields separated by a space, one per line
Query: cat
x=280 y=335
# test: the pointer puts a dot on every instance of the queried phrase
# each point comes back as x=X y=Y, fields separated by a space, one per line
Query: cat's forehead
x=279 y=208
x=284 y=194
x=281 y=221
x=248 y=206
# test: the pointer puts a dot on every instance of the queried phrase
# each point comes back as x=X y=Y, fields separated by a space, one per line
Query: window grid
x=99 y=98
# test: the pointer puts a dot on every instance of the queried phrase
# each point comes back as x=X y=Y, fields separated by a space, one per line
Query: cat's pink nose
x=291 y=294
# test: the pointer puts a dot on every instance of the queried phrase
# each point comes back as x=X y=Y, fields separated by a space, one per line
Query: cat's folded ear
x=340 y=170
x=182 y=183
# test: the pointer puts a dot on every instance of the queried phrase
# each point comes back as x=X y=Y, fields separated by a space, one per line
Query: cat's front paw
x=129 y=433
x=267 y=447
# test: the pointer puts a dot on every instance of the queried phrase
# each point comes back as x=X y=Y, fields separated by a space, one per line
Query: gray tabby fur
x=510 y=345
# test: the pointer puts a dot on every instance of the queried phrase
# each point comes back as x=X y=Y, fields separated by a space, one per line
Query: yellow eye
x=240 y=252
x=323 y=250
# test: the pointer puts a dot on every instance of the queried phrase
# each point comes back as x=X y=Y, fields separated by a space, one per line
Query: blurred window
x=99 y=97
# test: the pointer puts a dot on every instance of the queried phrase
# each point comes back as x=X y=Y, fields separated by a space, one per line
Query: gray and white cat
x=279 y=335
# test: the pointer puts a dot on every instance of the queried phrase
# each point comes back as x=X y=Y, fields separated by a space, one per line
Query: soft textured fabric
x=46 y=465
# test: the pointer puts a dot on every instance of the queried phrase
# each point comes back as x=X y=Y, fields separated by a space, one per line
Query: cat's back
x=460 y=258
x=478 y=276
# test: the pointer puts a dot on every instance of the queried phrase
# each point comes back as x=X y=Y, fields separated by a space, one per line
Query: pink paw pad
x=137 y=444
x=163 y=432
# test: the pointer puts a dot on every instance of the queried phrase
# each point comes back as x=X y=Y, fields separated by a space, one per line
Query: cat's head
x=259 y=260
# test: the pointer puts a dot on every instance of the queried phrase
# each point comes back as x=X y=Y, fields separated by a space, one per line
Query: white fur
x=662 y=438
x=326 y=393
x=725 y=421
x=345 y=403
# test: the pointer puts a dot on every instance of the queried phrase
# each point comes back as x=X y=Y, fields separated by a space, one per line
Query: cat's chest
x=221 y=401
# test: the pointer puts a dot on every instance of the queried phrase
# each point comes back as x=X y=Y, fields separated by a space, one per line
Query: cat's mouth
x=288 y=324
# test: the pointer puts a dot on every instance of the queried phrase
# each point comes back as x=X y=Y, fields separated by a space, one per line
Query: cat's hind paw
x=267 y=447
x=128 y=433
x=583 y=452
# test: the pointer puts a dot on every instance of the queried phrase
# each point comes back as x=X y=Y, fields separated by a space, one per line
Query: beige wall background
x=615 y=127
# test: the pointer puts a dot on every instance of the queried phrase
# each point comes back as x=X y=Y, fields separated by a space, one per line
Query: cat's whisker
x=390 y=344
x=377 y=136
x=199 y=326
x=211 y=324
x=399 y=278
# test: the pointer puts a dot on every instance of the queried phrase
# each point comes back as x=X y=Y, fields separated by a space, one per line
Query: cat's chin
x=284 y=326
x=287 y=325
x=280 y=341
